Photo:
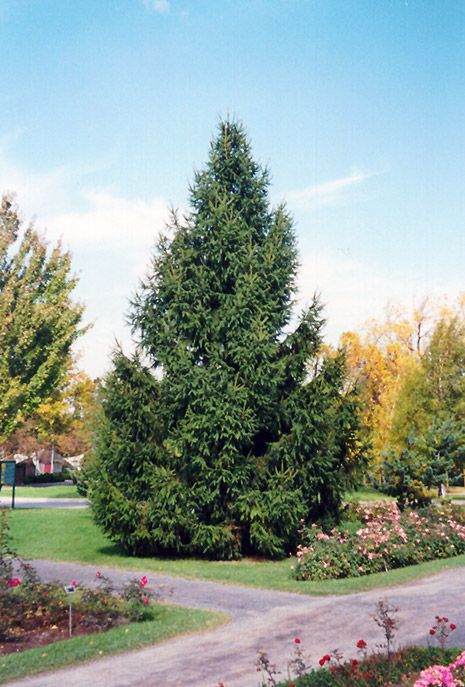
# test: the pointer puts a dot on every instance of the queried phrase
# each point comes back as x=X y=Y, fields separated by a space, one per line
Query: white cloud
x=78 y=215
x=111 y=239
x=327 y=192
x=159 y=6
x=110 y=218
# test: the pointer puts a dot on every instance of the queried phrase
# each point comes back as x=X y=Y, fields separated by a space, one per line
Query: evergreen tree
x=255 y=429
x=39 y=321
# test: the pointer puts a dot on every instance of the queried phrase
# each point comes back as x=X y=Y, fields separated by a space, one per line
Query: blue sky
x=357 y=107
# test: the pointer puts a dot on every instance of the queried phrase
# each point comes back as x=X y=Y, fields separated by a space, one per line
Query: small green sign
x=7 y=472
x=8 y=477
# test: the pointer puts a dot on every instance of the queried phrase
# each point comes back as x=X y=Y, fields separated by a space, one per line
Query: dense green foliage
x=428 y=422
x=38 y=319
x=246 y=428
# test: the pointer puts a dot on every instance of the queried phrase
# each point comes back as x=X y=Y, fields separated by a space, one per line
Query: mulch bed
x=83 y=624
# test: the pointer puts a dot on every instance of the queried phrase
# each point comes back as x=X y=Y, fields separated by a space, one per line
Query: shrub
x=387 y=539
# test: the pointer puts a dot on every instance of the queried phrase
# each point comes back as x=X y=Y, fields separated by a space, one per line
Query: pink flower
x=143 y=581
x=145 y=601
x=74 y=583
x=98 y=574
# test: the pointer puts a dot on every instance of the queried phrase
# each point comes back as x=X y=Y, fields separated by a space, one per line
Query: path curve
x=260 y=619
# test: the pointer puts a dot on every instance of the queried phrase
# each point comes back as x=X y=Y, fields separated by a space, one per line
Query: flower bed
x=387 y=538
x=386 y=667
x=33 y=613
x=411 y=667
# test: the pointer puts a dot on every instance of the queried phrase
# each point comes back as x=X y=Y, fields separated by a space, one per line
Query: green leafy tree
x=436 y=389
x=254 y=428
x=428 y=430
x=64 y=421
x=427 y=461
x=39 y=321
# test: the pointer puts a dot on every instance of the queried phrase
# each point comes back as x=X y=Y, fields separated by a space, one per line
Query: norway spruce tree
x=248 y=428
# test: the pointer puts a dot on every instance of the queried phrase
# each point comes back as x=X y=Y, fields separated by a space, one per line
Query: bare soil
x=83 y=624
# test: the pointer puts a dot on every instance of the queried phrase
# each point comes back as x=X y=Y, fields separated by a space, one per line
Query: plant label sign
x=8 y=477
x=7 y=472
x=69 y=588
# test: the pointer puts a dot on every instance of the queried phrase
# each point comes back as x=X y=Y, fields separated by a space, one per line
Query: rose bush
x=386 y=539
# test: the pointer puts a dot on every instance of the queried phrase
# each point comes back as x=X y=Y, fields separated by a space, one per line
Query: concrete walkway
x=43 y=502
x=259 y=620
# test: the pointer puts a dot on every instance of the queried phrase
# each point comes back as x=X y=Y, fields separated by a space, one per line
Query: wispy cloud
x=111 y=238
x=328 y=192
x=159 y=6
x=109 y=218
x=70 y=208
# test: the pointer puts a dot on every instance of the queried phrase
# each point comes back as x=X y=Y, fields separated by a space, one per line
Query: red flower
x=145 y=601
x=98 y=574
x=354 y=663
x=446 y=620
x=432 y=631
x=44 y=594
x=324 y=659
x=296 y=640
x=74 y=583
x=13 y=582
x=361 y=644
x=143 y=581
x=452 y=626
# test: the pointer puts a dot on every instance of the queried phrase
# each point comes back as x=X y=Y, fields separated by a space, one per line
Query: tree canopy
x=39 y=321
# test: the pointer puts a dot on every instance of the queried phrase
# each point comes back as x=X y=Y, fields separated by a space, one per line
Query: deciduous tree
x=39 y=321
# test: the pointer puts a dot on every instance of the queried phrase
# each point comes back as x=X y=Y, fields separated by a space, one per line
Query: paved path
x=259 y=620
x=43 y=502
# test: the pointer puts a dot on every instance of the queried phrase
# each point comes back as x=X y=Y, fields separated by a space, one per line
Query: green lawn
x=367 y=494
x=169 y=621
x=59 y=491
x=70 y=535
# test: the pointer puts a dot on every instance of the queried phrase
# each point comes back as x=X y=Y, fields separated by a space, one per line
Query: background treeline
x=410 y=373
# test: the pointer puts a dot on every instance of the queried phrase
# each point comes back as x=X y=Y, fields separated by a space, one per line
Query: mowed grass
x=168 y=622
x=59 y=491
x=70 y=535
x=368 y=494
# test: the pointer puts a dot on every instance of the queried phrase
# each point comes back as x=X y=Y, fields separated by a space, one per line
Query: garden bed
x=40 y=636
x=34 y=618
x=387 y=666
x=36 y=614
x=402 y=669
x=381 y=538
